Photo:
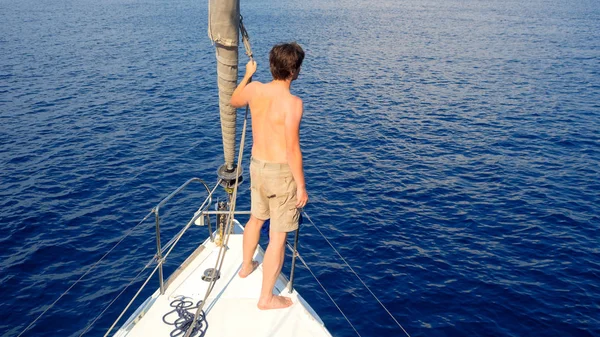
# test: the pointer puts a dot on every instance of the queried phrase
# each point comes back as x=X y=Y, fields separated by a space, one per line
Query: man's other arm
x=293 y=153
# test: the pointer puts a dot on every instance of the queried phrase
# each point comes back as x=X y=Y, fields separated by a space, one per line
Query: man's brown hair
x=285 y=60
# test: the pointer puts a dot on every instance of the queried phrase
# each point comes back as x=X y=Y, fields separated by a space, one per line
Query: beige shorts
x=273 y=195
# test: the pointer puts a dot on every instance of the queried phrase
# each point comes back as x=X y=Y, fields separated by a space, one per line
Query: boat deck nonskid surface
x=230 y=309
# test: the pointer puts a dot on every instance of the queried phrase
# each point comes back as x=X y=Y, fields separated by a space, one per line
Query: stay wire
x=326 y=292
x=85 y=274
x=355 y=274
x=115 y=299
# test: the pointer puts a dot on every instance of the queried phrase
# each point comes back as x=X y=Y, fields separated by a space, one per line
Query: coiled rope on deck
x=185 y=318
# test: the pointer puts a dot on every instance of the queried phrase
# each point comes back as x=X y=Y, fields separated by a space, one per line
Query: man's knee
x=277 y=238
x=255 y=222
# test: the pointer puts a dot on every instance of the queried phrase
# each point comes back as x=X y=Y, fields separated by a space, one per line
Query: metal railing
x=156 y=210
x=160 y=259
x=202 y=211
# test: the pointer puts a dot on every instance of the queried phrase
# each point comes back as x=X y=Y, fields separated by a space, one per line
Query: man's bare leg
x=272 y=264
x=251 y=237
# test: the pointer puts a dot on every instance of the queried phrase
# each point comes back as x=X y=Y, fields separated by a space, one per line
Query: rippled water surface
x=451 y=150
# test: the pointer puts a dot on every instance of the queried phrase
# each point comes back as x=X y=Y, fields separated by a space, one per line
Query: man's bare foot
x=247 y=270
x=276 y=302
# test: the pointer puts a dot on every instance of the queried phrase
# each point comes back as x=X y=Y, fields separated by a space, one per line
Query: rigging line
x=113 y=301
x=133 y=299
x=228 y=229
x=87 y=272
x=355 y=274
x=331 y=298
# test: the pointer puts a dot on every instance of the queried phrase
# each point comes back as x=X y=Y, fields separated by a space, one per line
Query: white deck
x=231 y=307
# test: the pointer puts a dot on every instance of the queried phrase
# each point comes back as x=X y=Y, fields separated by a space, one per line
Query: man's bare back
x=269 y=106
x=276 y=116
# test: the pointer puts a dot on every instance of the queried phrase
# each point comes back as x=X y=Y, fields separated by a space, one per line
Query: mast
x=223 y=30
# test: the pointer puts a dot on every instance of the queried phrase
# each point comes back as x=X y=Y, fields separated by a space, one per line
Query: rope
x=245 y=38
x=185 y=318
x=87 y=272
x=355 y=274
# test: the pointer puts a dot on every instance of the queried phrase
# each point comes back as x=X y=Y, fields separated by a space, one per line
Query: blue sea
x=451 y=148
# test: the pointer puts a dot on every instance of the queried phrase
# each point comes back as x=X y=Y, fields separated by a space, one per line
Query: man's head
x=286 y=60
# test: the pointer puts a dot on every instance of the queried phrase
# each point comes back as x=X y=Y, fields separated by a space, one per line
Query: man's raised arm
x=242 y=94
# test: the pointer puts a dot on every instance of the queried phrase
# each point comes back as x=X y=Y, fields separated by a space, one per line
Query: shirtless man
x=278 y=190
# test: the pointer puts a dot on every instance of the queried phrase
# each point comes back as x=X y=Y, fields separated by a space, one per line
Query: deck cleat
x=211 y=274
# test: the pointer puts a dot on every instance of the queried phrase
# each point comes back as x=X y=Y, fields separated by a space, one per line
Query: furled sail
x=223 y=30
